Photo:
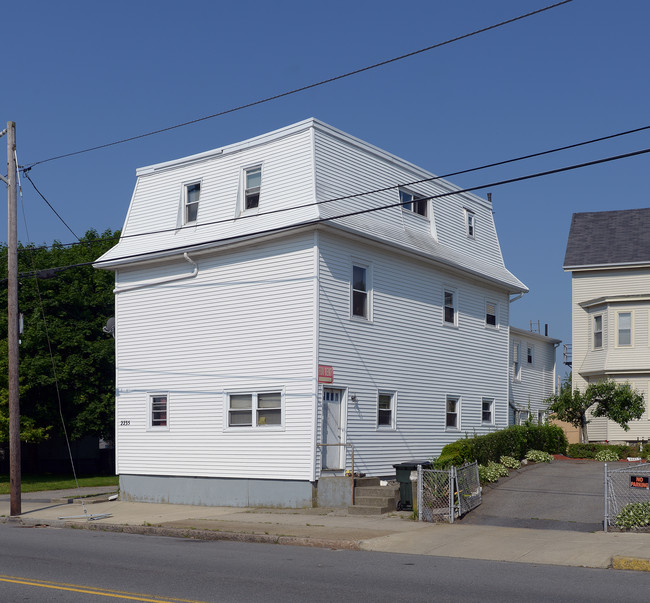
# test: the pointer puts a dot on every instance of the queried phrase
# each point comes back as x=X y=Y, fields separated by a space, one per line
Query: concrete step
x=369 y=510
x=377 y=491
x=366 y=482
x=376 y=501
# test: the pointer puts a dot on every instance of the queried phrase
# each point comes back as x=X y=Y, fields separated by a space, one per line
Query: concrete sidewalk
x=334 y=528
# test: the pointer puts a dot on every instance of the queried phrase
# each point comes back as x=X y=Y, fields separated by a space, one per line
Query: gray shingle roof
x=609 y=237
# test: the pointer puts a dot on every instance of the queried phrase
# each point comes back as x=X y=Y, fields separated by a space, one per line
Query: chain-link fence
x=627 y=496
x=446 y=495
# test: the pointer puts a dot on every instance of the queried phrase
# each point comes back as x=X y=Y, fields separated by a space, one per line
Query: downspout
x=163 y=281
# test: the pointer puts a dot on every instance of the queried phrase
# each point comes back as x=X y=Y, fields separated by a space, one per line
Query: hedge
x=514 y=441
x=589 y=451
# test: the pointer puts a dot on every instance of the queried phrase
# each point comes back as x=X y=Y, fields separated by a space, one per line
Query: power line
x=373 y=191
x=361 y=211
x=304 y=88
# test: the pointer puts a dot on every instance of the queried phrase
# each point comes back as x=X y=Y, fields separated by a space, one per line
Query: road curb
x=326 y=543
x=631 y=563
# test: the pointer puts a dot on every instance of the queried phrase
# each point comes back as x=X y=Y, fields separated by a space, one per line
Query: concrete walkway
x=334 y=528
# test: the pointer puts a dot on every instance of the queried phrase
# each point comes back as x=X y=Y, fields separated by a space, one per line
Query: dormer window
x=191 y=209
x=412 y=202
x=252 y=185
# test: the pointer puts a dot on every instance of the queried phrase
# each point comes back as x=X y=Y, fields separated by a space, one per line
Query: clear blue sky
x=78 y=74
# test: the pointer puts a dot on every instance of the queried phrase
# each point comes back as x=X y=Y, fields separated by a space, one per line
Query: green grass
x=36 y=483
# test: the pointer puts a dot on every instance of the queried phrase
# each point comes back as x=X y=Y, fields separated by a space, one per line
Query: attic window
x=470 y=223
x=412 y=202
x=192 y=194
x=252 y=185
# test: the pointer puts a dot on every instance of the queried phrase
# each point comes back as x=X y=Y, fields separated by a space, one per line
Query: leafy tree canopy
x=62 y=338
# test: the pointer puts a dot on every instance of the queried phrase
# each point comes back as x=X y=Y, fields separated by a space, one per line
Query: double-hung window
x=598 y=331
x=158 y=411
x=470 y=224
x=487 y=410
x=361 y=294
x=252 y=187
x=624 y=328
x=255 y=409
x=516 y=362
x=490 y=314
x=412 y=202
x=529 y=354
x=386 y=410
x=452 y=420
x=191 y=202
x=450 y=312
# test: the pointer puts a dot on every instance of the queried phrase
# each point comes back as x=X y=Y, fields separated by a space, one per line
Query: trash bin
x=403 y=473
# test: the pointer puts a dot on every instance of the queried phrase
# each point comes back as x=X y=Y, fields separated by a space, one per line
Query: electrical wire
x=316 y=221
x=370 y=192
x=303 y=88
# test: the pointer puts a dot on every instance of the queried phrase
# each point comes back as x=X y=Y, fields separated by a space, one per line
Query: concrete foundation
x=334 y=491
x=216 y=491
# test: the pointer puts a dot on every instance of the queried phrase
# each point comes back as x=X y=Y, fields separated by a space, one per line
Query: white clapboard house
x=273 y=319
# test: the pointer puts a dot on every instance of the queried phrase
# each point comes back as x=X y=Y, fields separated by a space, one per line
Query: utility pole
x=12 y=306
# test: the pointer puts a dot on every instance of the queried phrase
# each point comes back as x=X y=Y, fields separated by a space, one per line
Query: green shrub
x=634 y=515
x=491 y=472
x=589 y=451
x=510 y=462
x=606 y=456
x=514 y=441
x=538 y=456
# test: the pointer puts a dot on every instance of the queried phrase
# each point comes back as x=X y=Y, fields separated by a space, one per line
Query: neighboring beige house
x=532 y=375
x=608 y=255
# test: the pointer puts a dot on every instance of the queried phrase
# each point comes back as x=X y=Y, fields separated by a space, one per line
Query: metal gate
x=627 y=494
x=445 y=495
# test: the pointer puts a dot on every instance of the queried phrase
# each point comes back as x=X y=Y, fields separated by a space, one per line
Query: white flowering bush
x=634 y=515
x=539 y=456
x=606 y=456
x=491 y=472
x=510 y=462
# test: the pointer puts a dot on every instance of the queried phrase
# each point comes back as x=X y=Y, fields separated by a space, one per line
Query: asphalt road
x=45 y=564
x=563 y=495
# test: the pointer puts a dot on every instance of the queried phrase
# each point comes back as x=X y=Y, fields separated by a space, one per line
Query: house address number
x=125 y=422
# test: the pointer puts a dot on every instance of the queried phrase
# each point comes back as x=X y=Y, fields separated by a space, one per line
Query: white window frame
x=367 y=317
x=490 y=402
x=618 y=329
x=495 y=307
x=392 y=395
x=522 y=416
x=255 y=409
x=255 y=190
x=530 y=354
x=155 y=425
x=516 y=361
x=455 y=413
x=597 y=332
x=453 y=292
x=186 y=202
x=470 y=224
x=541 y=417
x=410 y=201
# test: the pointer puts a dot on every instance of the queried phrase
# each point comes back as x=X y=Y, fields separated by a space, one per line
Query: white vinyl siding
x=253 y=332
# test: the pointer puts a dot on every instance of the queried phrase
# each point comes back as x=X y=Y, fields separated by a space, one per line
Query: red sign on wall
x=325 y=374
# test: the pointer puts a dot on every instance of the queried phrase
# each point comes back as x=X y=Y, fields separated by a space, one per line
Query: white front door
x=332 y=406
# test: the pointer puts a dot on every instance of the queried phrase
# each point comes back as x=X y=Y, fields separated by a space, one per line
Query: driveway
x=562 y=495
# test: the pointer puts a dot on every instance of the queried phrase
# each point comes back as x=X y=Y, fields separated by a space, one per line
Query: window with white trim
x=386 y=410
x=624 y=328
x=491 y=314
x=541 y=417
x=450 y=313
x=524 y=416
x=412 y=202
x=516 y=362
x=529 y=354
x=487 y=410
x=361 y=292
x=452 y=420
x=598 y=331
x=470 y=224
x=191 y=195
x=255 y=409
x=252 y=187
x=158 y=411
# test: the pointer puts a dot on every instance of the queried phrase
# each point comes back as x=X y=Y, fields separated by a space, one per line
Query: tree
x=617 y=402
x=63 y=320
